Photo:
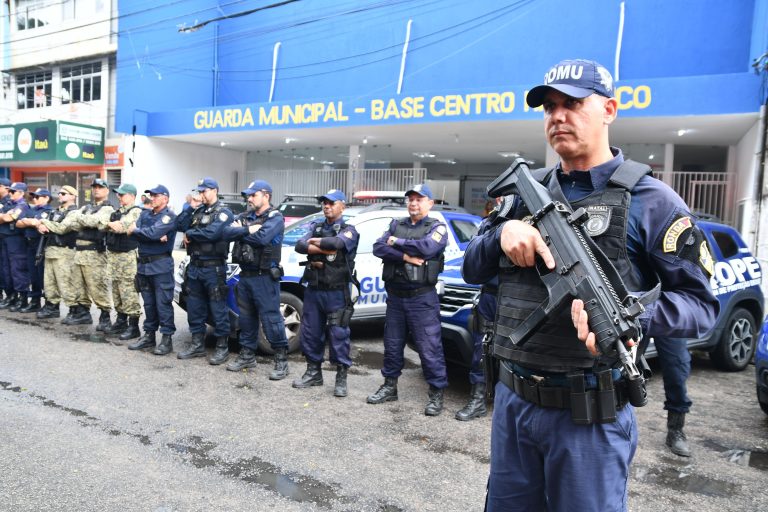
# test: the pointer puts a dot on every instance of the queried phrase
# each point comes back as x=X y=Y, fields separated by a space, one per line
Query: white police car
x=370 y=222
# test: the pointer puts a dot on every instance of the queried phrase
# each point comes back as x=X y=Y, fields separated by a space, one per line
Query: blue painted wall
x=332 y=50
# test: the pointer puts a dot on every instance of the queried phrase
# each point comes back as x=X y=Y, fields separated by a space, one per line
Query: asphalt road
x=88 y=425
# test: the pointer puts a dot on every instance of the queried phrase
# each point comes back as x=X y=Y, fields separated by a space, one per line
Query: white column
x=669 y=164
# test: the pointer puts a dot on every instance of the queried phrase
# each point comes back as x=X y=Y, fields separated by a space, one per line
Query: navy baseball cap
x=158 y=189
x=5 y=182
x=333 y=195
x=257 y=186
x=422 y=189
x=18 y=186
x=40 y=192
x=98 y=182
x=207 y=183
x=576 y=78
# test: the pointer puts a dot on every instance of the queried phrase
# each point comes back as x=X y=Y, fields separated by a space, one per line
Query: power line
x=198 y=26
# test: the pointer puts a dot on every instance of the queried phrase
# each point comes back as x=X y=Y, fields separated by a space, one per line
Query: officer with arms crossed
x=121 y=253
x=330 y=246
x=5 y=199
x=561 y=465
x=40 y=209
x=258 y=236
x=16 y=248
x=412 y=249
x=206 y=274
x=155 y=230
x=59 y=255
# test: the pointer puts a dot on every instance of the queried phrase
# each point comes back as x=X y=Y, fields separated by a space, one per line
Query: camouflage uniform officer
x=122 y=255
x=59 y=255
x=89 y=275
x=40 y=209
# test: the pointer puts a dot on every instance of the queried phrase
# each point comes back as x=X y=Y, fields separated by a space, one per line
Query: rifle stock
x=581 y=271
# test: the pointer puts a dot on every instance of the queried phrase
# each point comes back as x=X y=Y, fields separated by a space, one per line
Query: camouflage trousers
x=122 y=266
x=57 y=280
x=90 y=277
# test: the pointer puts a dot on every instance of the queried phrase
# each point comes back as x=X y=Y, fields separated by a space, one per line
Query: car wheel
x=736 y=347
x=291 y=308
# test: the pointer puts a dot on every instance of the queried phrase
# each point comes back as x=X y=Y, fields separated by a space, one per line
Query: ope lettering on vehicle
x=735 y=274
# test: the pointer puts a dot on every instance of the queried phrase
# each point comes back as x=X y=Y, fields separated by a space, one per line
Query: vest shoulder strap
x=628 y=174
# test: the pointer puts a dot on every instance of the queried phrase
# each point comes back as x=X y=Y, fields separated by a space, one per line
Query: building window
x=33 y=90
x=81 y=83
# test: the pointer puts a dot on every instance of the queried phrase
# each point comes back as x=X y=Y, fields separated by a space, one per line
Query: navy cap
x=422 y=189
x=257 y=186
x=40 y=192
x=334 y=195
x=576 y=78
x=158 y=189
x=5 y=182
x=98 y=182
x=207 y=183
x=18 y=186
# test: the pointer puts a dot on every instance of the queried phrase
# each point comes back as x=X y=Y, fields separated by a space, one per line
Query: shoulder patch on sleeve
x=223 y=217
x=348 y=234
x=273 y=213
x=673 y=233
x=705 y=259
x=166 y=219
x=436 y=235
x=441 y=229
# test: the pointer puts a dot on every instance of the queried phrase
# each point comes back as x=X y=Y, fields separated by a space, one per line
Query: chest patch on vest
x=599 y=219
x=330 y=257
x=673 y=233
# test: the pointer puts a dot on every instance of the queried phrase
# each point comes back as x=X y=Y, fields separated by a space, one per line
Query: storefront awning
x=51 y=143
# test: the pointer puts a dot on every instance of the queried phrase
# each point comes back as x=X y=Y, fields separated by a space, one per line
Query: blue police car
x=736 y=283
x=761 y=368
x=370 y=221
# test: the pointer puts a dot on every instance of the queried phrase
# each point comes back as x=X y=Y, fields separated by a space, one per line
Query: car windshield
x=298 y=209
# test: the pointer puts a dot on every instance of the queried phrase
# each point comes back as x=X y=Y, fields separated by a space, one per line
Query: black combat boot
x=81 y=316
x=196 y=347
x=132 y=329
x=67 y=320
x=20 y=303
x=165 y=346
x=435 y=405
x=33 y=306
x=245 y=359
x=9 y=299
x=475 y=408
x=121 y=324
x=50 y=310
x=105 y=322
x=340 y=389
x=676 y=439
x=221 y=354
x=147 y=341
x=280 y=371
x=312 y=377
x=386 y=393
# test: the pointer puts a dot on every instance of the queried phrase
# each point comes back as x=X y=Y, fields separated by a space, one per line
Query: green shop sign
x=49 y=141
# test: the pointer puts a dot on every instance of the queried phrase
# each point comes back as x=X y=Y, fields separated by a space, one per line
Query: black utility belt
x=587 y=406
x=254 y=273
x=154 y=257
x=207 y=263
x=407 y=294
x=91 y=247
x=110 y=249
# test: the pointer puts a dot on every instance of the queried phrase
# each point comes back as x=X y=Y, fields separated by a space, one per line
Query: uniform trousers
x=421 y=316
x=675 y=362
x=258 y=298
x=207 y=291
x=541 y=460
x=157 y=294
x=318 y=304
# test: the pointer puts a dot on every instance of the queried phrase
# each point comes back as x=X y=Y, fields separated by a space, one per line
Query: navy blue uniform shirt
x=346 y=239
x=686 y=307
x=34 y=212
x=270 y=232
x=150 y=228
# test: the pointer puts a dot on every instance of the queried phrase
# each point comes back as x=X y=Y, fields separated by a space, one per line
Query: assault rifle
x=582 y=271
x=40 y=252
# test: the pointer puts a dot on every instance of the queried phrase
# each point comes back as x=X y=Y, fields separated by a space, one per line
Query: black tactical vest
x=93 y=234
x=120 y=242
x=248 y=255
x=404 y=273
x=67 y=239
x=336 y=269
x=555 y=347
x=207 y=250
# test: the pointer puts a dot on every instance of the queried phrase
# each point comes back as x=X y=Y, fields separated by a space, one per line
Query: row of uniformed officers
x=76 y=254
